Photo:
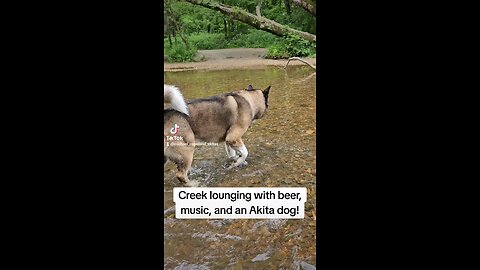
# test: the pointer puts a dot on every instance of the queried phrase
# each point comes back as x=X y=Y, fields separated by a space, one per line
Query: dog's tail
x=173 y=95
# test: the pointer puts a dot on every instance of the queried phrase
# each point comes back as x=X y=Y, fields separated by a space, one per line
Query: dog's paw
x=243 y=164
x=231 y=166
x=230 y=163
x=234 y=158
x=235 y=165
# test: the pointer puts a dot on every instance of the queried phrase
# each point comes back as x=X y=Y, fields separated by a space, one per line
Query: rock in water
x=307 y=266
x=261 y=257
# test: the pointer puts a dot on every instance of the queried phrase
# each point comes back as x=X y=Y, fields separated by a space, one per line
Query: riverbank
x=225 y=59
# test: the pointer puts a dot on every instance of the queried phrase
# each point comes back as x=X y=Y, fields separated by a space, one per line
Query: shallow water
x=281 y=154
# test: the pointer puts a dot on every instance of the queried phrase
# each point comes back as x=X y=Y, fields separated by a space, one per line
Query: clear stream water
x=281 y=154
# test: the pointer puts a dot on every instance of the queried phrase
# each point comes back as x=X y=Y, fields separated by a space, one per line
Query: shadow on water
x=281 y=154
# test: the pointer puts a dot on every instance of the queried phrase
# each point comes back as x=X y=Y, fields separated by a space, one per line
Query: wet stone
x=261 y=257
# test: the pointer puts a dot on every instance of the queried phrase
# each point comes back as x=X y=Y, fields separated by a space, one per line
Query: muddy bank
x=226 y=59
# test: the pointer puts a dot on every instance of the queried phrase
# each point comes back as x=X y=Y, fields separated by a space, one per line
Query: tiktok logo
x=175 y=129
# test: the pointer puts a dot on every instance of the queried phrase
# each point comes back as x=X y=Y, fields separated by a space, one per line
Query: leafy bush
x=178 y=52
x=206 y=41
x=297 y=46
x=250 y=39
x=277 y=48
x=290 y=46
x=276 y=51
x=253 y=38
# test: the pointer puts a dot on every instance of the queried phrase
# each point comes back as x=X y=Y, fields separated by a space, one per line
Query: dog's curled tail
x=174 y=96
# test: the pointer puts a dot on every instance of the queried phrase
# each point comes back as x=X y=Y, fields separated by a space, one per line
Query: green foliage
x=178 y=52
x=297 y=46
x=195 y=19
x=206 y=29
x=276 y=51
x=289 y=46
x=277 y=48
x=204 y=41
x=253 y=38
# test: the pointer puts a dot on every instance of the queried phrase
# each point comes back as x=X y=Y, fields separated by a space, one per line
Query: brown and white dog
x=223 y=118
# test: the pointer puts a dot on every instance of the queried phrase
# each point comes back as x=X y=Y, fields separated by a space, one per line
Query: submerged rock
x=261 y=257
x=187 y=266
x=255 y=173
x=210 y=236
x=169 y=210
x=275 y=224
x=307 y=266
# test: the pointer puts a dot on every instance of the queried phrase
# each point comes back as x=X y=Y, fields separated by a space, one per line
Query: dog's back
x=212 y=118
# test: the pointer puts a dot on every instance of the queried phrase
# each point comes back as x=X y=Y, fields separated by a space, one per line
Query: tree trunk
x=257 y=8
x=231 y=25
x=258 y=22
x=176 y=27
x=225 y=27
x=182 y=36
x=287 y=6
x=308 y=5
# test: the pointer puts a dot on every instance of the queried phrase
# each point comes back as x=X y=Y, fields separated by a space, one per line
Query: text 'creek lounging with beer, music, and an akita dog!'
x=227 y=203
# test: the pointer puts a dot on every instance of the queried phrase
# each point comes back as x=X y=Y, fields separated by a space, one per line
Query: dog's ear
x=265 y=94
x=266 y=91
x=250 y=87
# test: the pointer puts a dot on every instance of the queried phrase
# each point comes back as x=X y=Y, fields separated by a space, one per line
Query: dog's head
x=261 y=99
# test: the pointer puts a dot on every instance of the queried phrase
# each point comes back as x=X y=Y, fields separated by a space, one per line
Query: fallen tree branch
x=301 y=60
x=310 y=76
x=258 y=22
x=307 y=5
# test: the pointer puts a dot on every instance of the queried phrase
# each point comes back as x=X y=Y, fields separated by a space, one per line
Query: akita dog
x=223 y=118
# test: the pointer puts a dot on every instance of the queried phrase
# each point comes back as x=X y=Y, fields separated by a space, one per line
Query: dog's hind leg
x=239 y=146
x=184 y=165
x=231 y=154
x=234 y=141
x=182 y=173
